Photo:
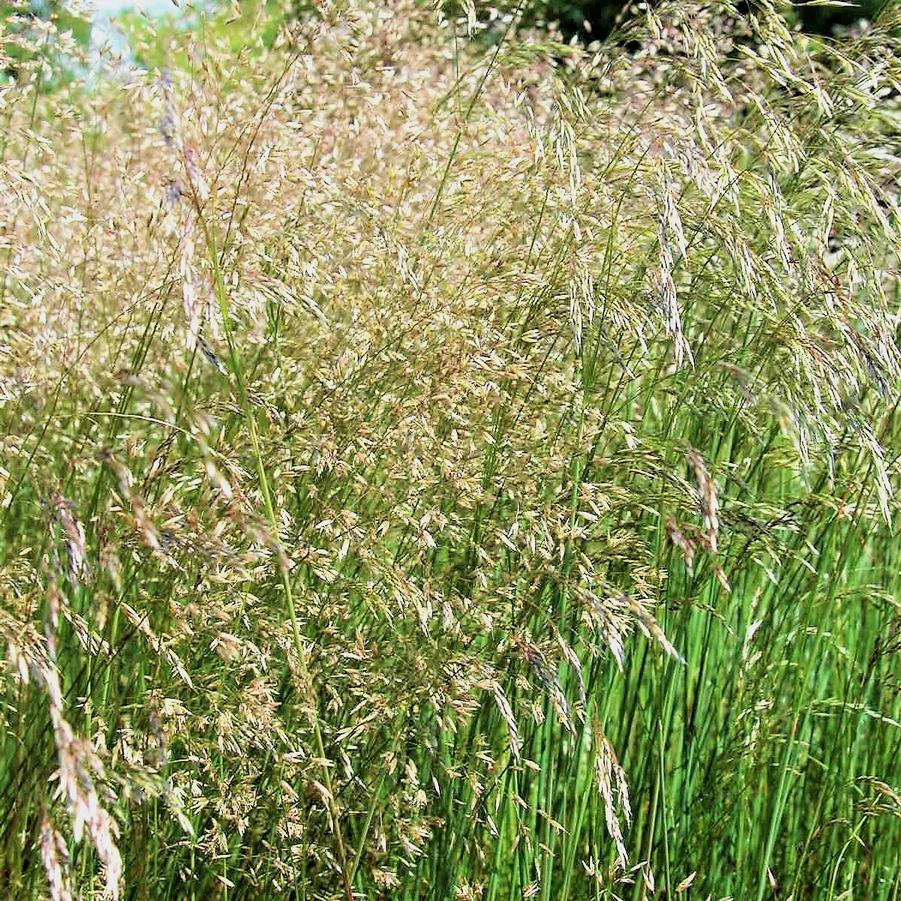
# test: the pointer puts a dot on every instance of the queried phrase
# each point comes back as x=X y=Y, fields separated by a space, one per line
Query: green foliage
x=42 y=34
x=234 y=28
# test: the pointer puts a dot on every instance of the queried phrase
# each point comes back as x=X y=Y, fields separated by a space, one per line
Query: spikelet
x=611 y=782
x=681 y=541
x=651 y=629
x=78 y=765
x=55 y=857
x=503 y=705
x=667 y=297
x=73 y=537
x=547 y=677
x=707 y=498
x=143 y=523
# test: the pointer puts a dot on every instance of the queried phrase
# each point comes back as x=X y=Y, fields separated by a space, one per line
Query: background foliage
x=602 y=14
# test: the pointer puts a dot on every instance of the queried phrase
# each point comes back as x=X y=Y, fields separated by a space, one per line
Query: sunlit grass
x=447 y=467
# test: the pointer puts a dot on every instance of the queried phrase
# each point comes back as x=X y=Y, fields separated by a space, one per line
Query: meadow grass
x=443 y=462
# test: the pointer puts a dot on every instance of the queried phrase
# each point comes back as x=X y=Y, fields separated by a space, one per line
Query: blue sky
x=108 y=6
x=104 y=33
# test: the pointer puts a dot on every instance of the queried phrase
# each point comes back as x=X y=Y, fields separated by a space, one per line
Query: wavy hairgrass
x=439 y=468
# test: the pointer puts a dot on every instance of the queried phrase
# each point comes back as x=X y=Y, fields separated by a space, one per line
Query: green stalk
x=250 y=421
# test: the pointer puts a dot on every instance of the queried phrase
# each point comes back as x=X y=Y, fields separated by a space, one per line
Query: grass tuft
x=439 y=461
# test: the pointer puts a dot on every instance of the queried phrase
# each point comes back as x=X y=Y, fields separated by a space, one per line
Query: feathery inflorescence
x=442 y=461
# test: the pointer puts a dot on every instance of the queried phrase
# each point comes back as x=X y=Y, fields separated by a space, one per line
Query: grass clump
x=439 y=468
